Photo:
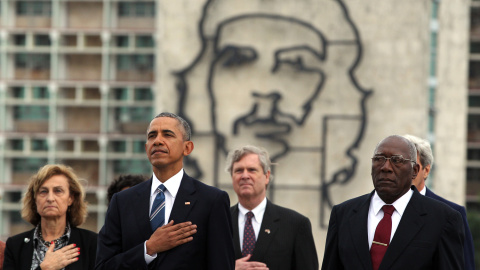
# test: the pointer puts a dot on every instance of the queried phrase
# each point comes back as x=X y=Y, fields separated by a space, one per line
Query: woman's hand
x=55 y=260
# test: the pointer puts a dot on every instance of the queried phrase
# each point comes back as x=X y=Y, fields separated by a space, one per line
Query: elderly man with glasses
x=394 y=227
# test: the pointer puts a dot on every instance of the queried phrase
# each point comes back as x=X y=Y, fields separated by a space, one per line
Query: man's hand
x=244 y=264
x=170 y=236
x=56 y=260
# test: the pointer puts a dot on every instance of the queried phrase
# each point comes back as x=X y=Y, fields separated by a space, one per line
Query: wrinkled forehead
x=327 y=16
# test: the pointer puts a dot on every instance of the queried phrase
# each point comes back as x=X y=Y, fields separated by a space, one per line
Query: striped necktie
x=157 y=215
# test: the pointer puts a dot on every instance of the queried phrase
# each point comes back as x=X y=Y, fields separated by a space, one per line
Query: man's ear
x=416 y=169
x=427 y=171
x=187 y=148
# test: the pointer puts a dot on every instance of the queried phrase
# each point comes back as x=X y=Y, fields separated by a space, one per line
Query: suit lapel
x=236 y=232
x=267 y=232
x=409 y=226
x=184 y=201
x=141 y=200
x=358 y=223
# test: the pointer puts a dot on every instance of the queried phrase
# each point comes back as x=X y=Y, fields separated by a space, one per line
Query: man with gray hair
x=425 y=160
x=266 y=236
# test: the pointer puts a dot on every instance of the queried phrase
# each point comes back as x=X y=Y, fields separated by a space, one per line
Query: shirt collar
x=172 y=184
x=400 y=204
x=257 y=211
x=423 y=191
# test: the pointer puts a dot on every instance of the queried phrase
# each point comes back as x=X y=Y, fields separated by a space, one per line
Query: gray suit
x=285 y=240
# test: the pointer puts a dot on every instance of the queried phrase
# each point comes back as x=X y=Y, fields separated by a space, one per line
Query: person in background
x=266 y=236
x=394 y=227
x=54 y=204
x=123 y=182
x=425 y=160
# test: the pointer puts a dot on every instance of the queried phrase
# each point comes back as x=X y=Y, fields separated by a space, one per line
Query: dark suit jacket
x=127 y=227
x=289 y=245
x=430 y=235
x=19 y=252
x=468 y=249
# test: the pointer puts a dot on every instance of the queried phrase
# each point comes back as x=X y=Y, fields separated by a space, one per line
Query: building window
x=135 y=62
x=34 y=8
x=121 y=41
x=133 y=114
x=138 y=146
x=36 y=113
x=134 y=166
x=144 y=42
x=39 y=145
x=28 y=165
x=143 y=94
x=16 y=144
x=20 y=40
x=119 y=146
x=136 y=9
x=32 y=61
x=120 y=93
x=42 y=40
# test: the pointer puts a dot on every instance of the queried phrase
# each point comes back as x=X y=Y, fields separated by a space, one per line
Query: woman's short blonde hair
x=77 y=212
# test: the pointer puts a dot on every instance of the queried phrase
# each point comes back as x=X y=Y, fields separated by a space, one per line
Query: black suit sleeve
x=305 y=252
x=220 y=243
x=450 y=250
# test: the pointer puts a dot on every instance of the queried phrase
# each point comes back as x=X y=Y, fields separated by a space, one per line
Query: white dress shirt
x=258 y=213
x=375 y=213
x=172 y=185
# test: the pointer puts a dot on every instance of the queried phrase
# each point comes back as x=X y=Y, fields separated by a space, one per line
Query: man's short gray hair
x=423 y=149
x=237 y=154
x=411 y=147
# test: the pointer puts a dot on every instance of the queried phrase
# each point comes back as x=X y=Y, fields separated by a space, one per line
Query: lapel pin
x=26 y=240
x=267 y=231
x=187 y=203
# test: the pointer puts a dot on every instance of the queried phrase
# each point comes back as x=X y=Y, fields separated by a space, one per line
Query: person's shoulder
x=23 y=236
x=459 y=208
x=286 y=212
x=437 y=207
x=202 y=187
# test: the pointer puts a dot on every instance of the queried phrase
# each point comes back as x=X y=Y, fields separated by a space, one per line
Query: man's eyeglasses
x=395 y=160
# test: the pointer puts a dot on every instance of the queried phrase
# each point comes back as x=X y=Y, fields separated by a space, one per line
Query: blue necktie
x=157 y=215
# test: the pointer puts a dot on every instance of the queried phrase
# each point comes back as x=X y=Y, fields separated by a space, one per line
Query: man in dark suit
x=425 y=161
x=199 y=232
x=394 y=227
x=266 y=236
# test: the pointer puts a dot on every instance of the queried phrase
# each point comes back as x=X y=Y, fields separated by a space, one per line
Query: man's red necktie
x=381 y=240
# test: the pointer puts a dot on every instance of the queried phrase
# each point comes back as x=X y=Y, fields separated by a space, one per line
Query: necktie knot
x=157 y=214
x=249 y=216
x=161 y=188
x=388 y=209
